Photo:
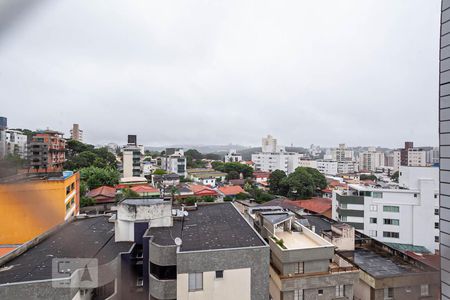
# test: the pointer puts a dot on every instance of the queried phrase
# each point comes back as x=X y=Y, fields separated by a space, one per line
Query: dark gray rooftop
x=380 y=265
x=82 y=238
x=210 y=227
x=276 y=218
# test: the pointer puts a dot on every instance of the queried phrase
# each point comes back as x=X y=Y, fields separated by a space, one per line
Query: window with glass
x=373 y=207
x=436 y=211
x=388 y=293
x=391 y=222
x=390 y=234
x=340 y=290
x=373 y=220
x=424 y=290
x=390 y=208
x=219 y=274
x=298 y=294
x=377 y=195
x=299 y=266
x=195 y=282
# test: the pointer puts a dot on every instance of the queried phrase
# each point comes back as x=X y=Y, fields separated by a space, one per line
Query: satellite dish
x=178 y=241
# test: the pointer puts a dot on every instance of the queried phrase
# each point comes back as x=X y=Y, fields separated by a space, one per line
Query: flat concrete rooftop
x=210 y=227
x=297 y=240
x=82 y=238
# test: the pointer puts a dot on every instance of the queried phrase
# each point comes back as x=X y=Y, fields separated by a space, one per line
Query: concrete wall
x=256 y=259
x=235 y=284
x=30 y=209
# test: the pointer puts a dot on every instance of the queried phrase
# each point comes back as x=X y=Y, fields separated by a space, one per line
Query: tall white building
x=327 y=167
x=76 y=133
x=269 y=144
x=370 y=160
x=16 y=143
x=174 y=162
x=275 y=158
x=342 y=153
x=232 y=156
x=407 y=216
x=132 y=158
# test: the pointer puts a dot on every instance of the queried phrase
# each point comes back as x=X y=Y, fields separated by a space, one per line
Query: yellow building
x=32 y=204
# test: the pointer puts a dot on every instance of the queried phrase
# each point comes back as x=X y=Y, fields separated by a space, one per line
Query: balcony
x=163 y=289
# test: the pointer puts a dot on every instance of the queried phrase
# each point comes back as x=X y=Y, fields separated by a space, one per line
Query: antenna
x=178 y=241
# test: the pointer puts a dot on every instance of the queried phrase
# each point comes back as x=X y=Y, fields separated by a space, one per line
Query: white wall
x=235 y=284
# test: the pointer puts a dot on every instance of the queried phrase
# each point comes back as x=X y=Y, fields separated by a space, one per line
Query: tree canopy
x=303 y=183
x=368 y=177
x=395 y=176
x=233 y=168
x=95 y=177
x=80 y=155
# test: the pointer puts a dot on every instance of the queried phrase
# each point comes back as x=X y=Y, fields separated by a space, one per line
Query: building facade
x=46 y=151
x=175 y=162
x=31 y=205
x=404 y=216
x=269 y=144
x=76 y=133
x=232 y=156
x=444 y=143
x=370 y=160
x=16 y=143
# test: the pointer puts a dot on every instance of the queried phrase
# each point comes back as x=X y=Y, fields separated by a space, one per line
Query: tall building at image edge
x=444 y=143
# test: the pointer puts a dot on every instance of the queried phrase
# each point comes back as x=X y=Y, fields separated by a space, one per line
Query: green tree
x=95 y=177
x=394 y=176
x=218 y=166
x=275 y=179
x=319 y=179
x=233 y=175
x=159 y=172
x=213 y=156
x=367 y=177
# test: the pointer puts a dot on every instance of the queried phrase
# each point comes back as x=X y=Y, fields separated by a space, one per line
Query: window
x=377 y=195
x=68 y=190
x=373 y=208
x=67 y=206
x=424 y=290
x=195 y=282
x=373 y=220
x=388 y=293
x=391 y=222
x=344 y=218
x=299 y=268
x=72 y=201
x=72 y=186
x=343 y=205
x=415 y=195
x=389 y=234
x=340 y=290
x=219 y=274
x=298 y=294
x=436 y=225
x=373 y=233
x=140 y=282
x=320 y=292
x=389 y=208
x=436 y=211
x=435 y=196
x=436 y=239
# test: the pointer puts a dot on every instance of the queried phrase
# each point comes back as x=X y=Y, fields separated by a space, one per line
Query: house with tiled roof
x=146 y=191
x=202 y=190
x=231 y=190
x=103 y=194
x=316 y=205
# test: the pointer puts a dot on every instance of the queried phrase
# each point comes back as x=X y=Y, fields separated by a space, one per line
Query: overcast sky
x=219 y=72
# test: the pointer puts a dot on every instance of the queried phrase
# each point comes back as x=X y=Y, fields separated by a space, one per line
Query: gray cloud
x=216 y=72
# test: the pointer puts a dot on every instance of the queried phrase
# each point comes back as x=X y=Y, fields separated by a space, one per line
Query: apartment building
x=132 y=154
x=3 y=126
x=409 y=156
x=16 y=143
x=407 y=216
x=175 y=162
x=327 y=167
x=342 y=153
x=370 y=160
x=46 y=151
x=384 y=272
x=274 y=157
x=444 y=131
x=233 y=156
x=303 y=264
x=76 y=133
x=33 y=204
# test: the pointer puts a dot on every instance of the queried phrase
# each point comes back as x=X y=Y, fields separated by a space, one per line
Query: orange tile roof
x=317 y=205
x=106 y=191
x=202 y=190
x=231 y=190
x=261 y=174
x=144 y=189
